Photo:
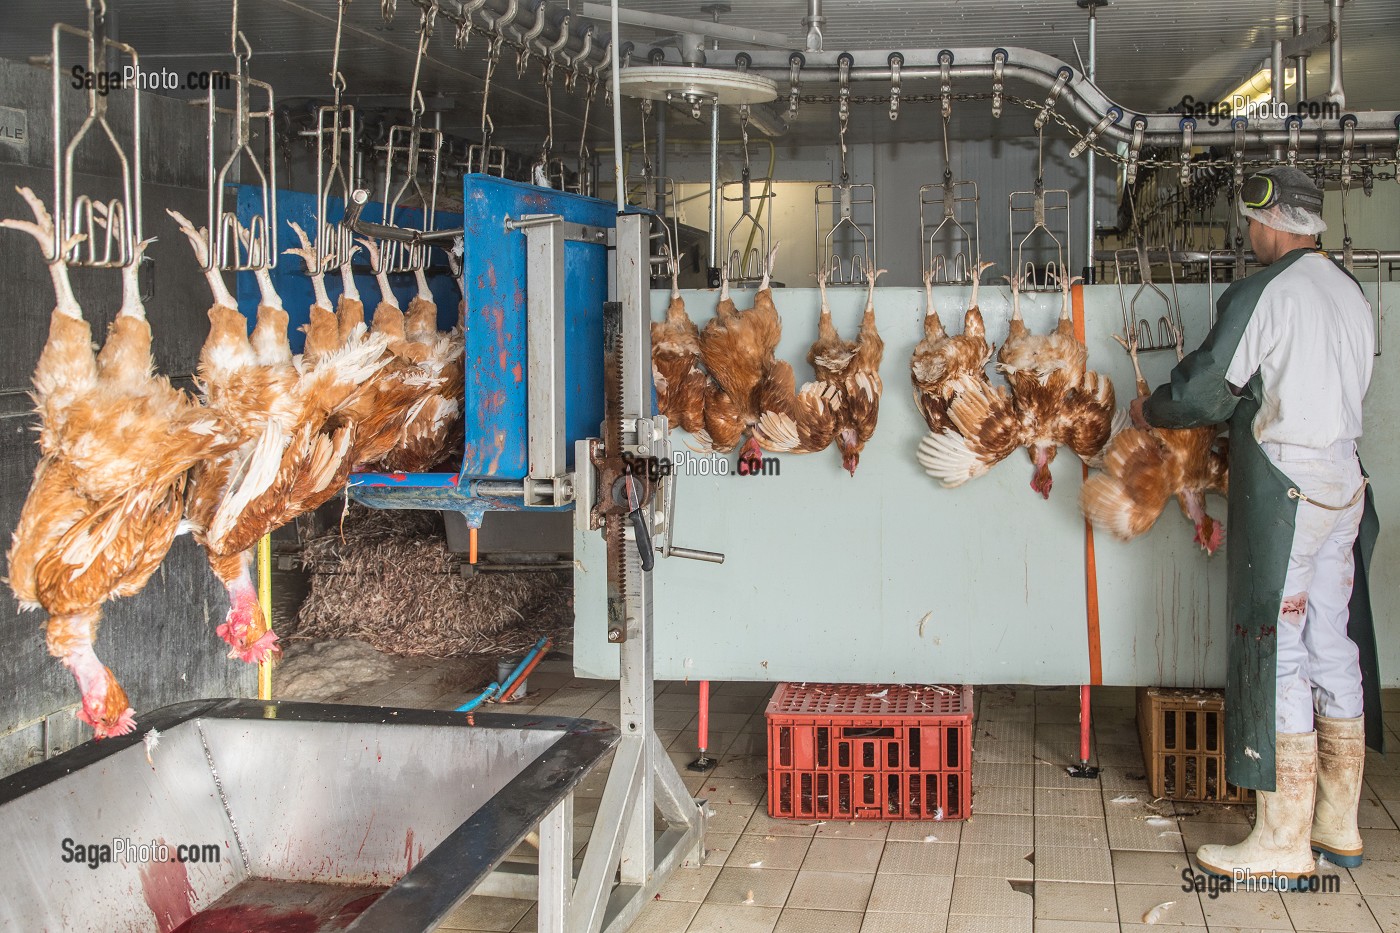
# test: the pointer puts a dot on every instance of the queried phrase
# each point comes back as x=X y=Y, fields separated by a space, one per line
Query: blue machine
x=495 y=457
x=290 y=275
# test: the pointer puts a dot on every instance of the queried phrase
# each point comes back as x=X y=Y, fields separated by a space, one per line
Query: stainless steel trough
x=303 y=817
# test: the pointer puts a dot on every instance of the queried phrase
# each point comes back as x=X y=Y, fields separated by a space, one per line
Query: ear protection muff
x=1262 y=191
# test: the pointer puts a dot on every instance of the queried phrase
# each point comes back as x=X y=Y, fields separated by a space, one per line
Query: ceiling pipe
x=814 y=21
x=679 y=24
x=545 y=23
x=1079 y=96
x=1300 y=61
x=1335 y=94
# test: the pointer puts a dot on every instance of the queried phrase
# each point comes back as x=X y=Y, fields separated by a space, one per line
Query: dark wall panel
x=161 y=642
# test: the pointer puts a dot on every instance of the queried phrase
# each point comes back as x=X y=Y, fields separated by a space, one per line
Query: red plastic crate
x=870 y=752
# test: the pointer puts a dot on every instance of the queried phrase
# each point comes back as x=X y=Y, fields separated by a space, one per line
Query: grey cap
x=1289 y=218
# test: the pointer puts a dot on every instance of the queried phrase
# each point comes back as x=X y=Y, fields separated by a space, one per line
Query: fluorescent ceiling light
x=1258 y=88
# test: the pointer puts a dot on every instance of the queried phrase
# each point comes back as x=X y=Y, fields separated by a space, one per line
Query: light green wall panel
x=889 y=577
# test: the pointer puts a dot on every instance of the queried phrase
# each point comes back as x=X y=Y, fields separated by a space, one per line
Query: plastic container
x=870 y=752
x=1183 y=745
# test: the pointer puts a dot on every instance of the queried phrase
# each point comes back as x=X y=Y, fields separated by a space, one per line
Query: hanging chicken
x=807 y=423
x=349 y=309
x=427 y=433
x=323 y=328
x=1142 y=469
x=1053 y=400
x=118 y=442
x=676 y=368
x=295 y=438
x=843 y=402
x=943 y=365
x=738 y=350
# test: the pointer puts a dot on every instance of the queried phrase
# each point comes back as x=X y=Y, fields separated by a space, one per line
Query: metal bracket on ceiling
x=1188 y=129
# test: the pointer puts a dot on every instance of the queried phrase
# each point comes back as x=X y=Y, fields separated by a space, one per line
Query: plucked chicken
x=676 y=367
x=1142 y=469
x=118 y=442
x=943 y=365
x=1053 y=400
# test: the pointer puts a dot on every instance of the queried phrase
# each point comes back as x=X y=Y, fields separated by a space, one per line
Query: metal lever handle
x=712 y=557
x=356 y=206
x=644 y=549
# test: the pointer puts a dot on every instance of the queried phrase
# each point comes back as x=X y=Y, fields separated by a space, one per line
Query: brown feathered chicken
x=943 y=365
x=1053 y=400
x=295 y=438
x=843 y=402
x=349 y=309
x=676 y=368
x=1143 y=469
x=107 y=495
x=323 y=327
x=807 y=423
x=428 y=425
x=738 y=350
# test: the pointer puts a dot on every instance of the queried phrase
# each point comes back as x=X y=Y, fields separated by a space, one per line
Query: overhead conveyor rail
x=1083 y=98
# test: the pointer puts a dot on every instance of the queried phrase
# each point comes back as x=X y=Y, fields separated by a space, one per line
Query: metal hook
x=896 y=61
x=1062 y=77
x=463 y=21
x=1188 y=126
x=945 y=82
x=1113 y=115
x=795 y=63
x=999 y=57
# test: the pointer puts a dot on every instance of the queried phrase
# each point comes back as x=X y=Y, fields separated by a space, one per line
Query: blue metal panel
x=290 y=275
x=497 y=428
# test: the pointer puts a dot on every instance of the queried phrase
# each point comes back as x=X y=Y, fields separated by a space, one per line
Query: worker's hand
x=1135 y=411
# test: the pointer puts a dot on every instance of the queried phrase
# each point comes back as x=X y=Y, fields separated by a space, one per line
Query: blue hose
x=524 y=663
x=495 y=689
x=492 y=691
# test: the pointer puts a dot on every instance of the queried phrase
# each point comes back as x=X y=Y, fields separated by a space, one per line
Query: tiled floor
x=1044 y=851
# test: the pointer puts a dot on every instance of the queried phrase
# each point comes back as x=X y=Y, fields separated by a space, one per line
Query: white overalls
x=1312 y=340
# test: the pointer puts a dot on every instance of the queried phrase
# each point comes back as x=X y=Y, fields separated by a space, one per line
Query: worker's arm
x=1207 y=384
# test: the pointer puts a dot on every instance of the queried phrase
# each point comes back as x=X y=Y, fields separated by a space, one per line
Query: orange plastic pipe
x=1091 y=571
x=471 y=548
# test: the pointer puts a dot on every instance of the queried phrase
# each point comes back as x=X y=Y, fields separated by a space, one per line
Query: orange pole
x=471 y=553
x=1091 y=571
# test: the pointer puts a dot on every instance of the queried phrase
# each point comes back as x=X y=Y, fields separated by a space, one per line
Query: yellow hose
x=265 y=601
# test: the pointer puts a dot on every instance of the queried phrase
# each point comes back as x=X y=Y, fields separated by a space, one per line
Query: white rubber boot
x=1341 y=756
x=1279 y=843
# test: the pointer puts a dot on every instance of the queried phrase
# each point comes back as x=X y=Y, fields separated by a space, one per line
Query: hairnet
x=1289 y=218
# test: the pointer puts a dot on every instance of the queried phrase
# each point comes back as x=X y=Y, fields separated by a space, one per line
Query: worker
x=1287 y=364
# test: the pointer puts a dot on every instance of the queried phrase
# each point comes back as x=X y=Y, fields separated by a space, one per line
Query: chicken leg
x=67 y=371
x=322 y=329
x=67 y=366
x=349 y=309
x=420 y=320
